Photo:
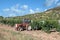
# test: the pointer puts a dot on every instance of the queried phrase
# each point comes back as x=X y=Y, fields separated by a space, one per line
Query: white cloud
x=17 y=5
x=45 y=9
x=24 y=6
x=7 y=9
x=20 y=10
x=14 y=8
x=12 y=15
x=37 y=10
x=51 y=2
x=58 y=4
x=56 y=1
x=31 y=11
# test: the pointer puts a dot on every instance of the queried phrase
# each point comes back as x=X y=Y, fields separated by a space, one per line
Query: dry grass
x=8 y=33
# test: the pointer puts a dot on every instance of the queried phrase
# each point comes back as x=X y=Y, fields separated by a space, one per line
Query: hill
x=8 y=33
x=51 y=14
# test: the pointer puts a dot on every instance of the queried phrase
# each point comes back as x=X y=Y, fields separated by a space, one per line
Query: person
x=26 y=20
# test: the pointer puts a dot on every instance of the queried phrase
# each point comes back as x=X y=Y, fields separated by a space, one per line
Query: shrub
x=11 y=22
x=49 y=25
x=35 y=25
x=45 y=25
x=58 y=28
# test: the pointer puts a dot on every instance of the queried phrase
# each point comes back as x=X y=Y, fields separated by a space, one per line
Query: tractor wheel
x=29 y=28
x=20 y=28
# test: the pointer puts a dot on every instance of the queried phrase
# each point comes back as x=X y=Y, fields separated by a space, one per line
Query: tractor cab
x=26 y=20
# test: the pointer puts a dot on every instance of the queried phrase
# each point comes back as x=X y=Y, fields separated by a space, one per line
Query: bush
x=45 y=25
x=11 y=22
x=49 y=25
x=35 y=25
x=58 y=28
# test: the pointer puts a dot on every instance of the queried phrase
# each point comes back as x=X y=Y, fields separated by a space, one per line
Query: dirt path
x=40 y=35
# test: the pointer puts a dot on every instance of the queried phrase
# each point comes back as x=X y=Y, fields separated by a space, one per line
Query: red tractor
x=25 y=25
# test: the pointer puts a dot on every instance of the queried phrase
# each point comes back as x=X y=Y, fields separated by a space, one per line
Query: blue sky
x=23 y=7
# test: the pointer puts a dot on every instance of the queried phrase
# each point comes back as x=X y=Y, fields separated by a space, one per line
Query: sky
x=13 y=8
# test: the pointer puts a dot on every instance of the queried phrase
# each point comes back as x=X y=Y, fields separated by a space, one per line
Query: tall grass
x=13 y=35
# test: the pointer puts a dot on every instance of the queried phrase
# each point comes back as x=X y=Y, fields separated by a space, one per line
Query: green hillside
x=51 y=14
x=46 y=20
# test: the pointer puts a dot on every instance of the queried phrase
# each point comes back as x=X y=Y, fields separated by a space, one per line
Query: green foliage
x=46 y=25
x=58 y=28
x=35 y=25
x=50 y=20
x=11 y=22
x=49 y=25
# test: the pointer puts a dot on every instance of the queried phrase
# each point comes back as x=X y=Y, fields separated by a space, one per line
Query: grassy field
x=8 y=33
